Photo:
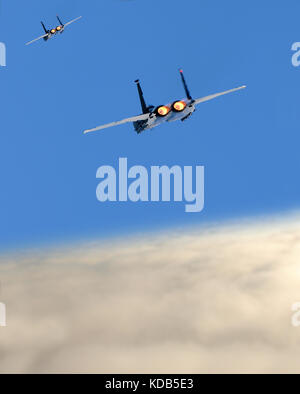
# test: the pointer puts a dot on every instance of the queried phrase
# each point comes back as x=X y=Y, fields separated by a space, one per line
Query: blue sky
x=248 y=142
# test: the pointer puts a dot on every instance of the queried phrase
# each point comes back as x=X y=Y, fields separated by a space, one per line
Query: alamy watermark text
x=2 y=54
x=2 y=315
x=154 y=186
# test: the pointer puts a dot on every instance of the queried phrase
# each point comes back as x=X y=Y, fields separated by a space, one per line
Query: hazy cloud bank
x=199 y=301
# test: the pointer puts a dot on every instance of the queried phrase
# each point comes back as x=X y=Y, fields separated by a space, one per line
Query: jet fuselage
x=154 y=116
x=53 y=32
x=157 y=117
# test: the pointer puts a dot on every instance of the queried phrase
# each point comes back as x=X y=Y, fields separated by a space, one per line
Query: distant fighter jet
x=154 y=116
x=57 y=30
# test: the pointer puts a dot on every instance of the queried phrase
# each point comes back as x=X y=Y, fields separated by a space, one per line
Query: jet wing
x=129 y=120
x=36 y=39
x=74 y=20
x=213 y=96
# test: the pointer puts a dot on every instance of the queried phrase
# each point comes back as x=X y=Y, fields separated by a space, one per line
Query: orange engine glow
x=58 y=28
x=163 y=110
x=53 y=31
x=179 y=106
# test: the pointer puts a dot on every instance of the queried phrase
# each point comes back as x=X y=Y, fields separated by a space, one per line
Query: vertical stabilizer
x=46 y=31
x=188 y=94
x=59 y=20
x=141 y=95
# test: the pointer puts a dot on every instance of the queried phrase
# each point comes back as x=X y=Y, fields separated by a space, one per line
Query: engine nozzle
x=179 y=106
x=163 y=110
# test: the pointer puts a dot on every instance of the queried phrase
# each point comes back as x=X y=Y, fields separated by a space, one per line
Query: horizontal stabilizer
x=74 y=20
x=129 y=120
x=213 y=96
x=36 y=39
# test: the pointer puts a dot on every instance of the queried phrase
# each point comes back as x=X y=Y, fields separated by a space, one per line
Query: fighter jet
x=57 y=30
x=154 y=116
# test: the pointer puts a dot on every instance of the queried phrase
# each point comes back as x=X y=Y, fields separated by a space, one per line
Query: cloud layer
x=193 y=301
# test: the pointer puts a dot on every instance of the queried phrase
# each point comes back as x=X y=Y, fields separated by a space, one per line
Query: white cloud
x=187 y=301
